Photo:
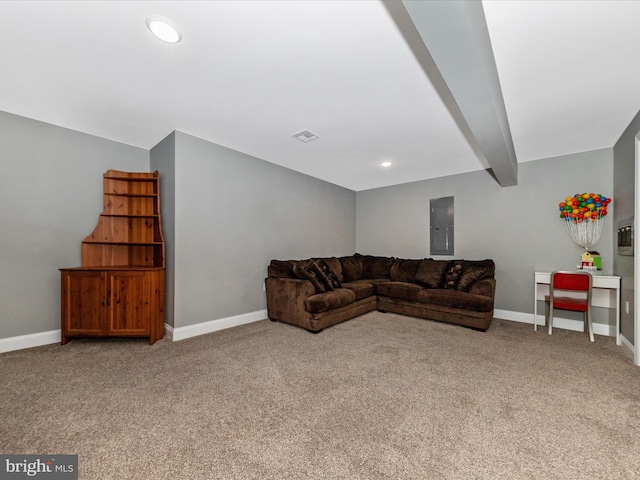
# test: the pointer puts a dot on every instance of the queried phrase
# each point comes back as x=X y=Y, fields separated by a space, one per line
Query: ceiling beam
x=451 y=42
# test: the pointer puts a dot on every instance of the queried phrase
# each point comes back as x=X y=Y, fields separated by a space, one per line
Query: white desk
x=605 y=293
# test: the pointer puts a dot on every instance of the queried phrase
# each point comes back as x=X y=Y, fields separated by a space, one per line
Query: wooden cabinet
x=100 y=302
x=119 y=289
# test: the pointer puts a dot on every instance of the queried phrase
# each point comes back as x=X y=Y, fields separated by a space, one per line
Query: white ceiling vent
x=305 y=136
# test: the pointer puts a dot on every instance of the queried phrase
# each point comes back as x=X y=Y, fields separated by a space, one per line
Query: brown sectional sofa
x=320 y=292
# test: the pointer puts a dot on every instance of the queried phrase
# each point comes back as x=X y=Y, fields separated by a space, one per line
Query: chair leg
x=550 y=318
x=589 y=323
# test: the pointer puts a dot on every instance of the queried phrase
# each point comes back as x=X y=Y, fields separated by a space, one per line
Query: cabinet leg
x=154 y=338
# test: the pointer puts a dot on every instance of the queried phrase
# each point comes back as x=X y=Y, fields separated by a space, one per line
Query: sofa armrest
x=286 y=297
x=486 y=287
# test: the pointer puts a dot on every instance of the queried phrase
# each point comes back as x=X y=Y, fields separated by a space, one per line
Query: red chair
x=564 y=294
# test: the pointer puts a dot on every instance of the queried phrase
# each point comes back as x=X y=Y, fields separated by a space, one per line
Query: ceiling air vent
x=305 y=136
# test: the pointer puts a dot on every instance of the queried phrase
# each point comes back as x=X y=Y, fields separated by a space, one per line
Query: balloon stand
x=585 y=234
x=584 y=217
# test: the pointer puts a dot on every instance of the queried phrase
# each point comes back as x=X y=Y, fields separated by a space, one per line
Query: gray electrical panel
x=441 y=226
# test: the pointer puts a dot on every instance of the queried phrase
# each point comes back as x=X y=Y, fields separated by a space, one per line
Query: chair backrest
x=574 y=281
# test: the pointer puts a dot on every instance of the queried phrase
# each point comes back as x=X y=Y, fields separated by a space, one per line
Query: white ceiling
x=249 y=74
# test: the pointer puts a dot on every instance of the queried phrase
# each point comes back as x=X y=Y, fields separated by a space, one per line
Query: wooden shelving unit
x=129 y=230
x=119 y=289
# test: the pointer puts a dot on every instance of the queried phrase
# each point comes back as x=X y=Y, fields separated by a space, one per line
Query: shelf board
x=132 y=179
x=129 y=215
x=114 y=267
x=124 y=244
x=149 y=195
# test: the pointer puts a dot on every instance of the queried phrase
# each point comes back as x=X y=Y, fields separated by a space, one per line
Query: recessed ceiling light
x=164 y=29
x=386 y=164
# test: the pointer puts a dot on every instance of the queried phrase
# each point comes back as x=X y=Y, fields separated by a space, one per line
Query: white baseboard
x=181 y=333
x=629 y=345
x=28 y=341
x=54 y=336
x=513 y=316
x=558 y=322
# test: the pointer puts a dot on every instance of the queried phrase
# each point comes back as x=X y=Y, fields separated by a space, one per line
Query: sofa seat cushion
x=454 y=299
x=373 y=281
x=361 y=289
x=401 y=290
x=323 y=302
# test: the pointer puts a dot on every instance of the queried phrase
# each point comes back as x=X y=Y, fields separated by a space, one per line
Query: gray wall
x=233 y=214
x=624 y=155
x=162 y=159
x=517 y=226
x=226 y=214
x=50 y=199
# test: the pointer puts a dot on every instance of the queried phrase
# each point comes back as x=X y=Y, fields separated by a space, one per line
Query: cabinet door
x=128 y=296
x=83 y=300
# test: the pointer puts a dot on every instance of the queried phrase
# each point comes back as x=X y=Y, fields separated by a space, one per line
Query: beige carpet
x=379 y=397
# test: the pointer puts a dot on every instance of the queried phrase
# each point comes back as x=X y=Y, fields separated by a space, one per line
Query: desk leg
x=535 y=307
x=618 y=340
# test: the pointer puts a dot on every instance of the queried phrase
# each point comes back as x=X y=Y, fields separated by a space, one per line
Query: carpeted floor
x=379 y=397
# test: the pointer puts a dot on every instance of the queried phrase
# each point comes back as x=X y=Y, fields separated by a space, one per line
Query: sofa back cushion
x=327 y=270
x=404 y=270
x=474 y=271
x=375 y=267
x=351 y=268
x=430 y=273
x=284 y=268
